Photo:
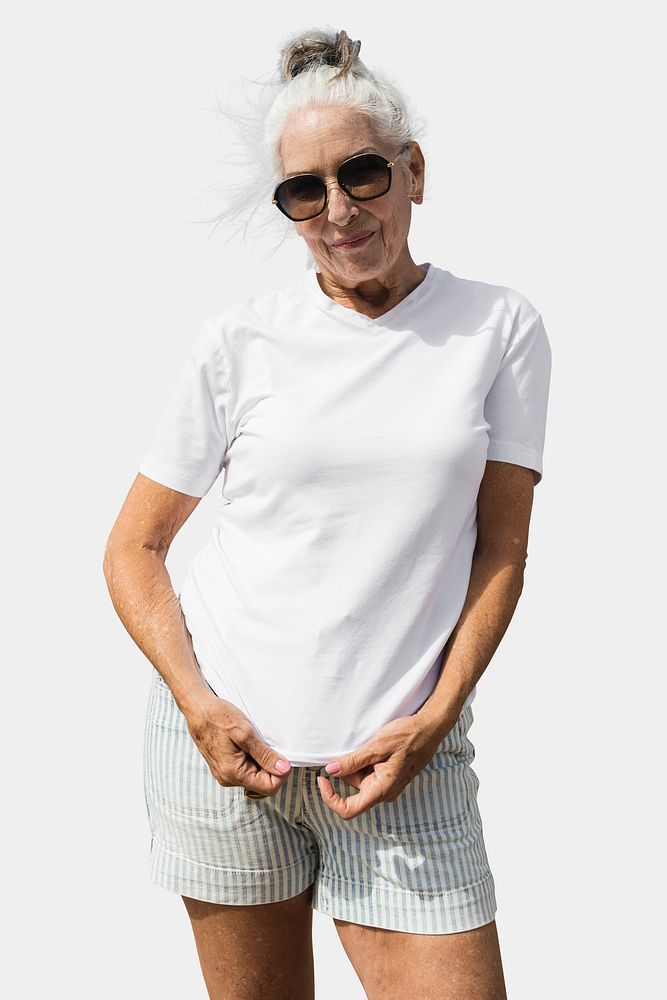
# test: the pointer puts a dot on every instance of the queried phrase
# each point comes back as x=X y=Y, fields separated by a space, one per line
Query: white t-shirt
x=352 y=451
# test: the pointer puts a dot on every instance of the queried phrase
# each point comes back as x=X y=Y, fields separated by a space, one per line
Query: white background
x=546 y=173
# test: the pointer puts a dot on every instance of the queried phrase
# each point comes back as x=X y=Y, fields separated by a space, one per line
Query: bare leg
x=261 y=952
x=393 y=965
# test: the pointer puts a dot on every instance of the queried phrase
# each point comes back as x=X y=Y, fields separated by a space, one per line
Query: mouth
x=352 y=244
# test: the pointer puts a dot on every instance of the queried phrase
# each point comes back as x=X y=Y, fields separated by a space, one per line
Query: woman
x=380 y=426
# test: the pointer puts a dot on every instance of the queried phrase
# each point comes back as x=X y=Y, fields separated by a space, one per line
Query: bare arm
x=143 y=596
x=383 y=766
x=504 y=507
x=141 y=589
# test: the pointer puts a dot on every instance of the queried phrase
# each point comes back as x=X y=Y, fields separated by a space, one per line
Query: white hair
x=316 y=67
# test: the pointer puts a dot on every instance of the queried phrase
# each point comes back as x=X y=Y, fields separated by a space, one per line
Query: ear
x=417 y=167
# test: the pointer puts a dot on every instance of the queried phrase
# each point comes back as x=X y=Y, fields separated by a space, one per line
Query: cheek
x=312 y=237
x=311 y=231
x=401 y=210
x=395 y=224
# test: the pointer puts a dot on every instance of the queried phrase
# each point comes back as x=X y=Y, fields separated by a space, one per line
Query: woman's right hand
x=233 y=749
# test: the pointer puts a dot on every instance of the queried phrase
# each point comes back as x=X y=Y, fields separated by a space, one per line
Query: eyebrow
x=364 y=149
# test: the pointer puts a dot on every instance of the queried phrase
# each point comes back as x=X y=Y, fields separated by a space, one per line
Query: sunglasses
x=362 y=177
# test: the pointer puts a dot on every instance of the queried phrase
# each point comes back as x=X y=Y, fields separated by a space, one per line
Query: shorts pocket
x=177 y=778
x=456 y=747
x=166 y=712
x=436 y=804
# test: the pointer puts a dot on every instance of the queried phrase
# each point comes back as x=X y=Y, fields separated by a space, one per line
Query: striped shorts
x=416 y=864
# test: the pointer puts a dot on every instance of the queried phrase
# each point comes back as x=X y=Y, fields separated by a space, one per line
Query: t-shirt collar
x=352 y=316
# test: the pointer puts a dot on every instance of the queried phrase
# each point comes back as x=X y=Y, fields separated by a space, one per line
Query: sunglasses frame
x=389 y=164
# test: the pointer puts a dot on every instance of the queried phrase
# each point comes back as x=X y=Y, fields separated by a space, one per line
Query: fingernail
x=282 y=766
x=333 y=768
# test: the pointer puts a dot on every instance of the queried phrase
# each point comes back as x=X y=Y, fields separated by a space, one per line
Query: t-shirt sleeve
x=190 y=441
x=516 y=405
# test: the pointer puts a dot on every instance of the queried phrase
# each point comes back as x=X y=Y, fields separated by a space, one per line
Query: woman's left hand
x=382 y=767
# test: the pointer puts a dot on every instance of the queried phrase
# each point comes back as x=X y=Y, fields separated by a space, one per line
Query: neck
x=375 y=294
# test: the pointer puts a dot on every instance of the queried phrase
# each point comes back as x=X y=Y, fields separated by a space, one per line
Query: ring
x=253 y=795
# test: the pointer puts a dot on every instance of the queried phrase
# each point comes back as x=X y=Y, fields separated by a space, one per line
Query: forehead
x=317 y=139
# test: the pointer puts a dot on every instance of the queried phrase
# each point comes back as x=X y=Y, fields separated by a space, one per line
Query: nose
x=341 y=208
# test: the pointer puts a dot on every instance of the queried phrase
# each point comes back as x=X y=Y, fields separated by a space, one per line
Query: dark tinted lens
x=302 y=196
x=365 y=176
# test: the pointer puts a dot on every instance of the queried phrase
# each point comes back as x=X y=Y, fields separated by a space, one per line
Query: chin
x=362 y=269
x=360 y=263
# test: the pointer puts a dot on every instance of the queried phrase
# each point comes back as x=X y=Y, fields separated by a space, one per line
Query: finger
x=356 y=777
x=233 y=764
x=267 y=758
x=353 y=805
x=355 y=761
x=257 y=782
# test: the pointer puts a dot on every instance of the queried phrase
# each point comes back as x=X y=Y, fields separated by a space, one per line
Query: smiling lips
x=359 y=241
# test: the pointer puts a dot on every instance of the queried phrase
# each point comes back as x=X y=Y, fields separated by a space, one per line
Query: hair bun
x=312 y=49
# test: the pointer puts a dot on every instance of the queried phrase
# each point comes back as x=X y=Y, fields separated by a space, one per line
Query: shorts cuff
x=385 y=906
x=234 y=886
